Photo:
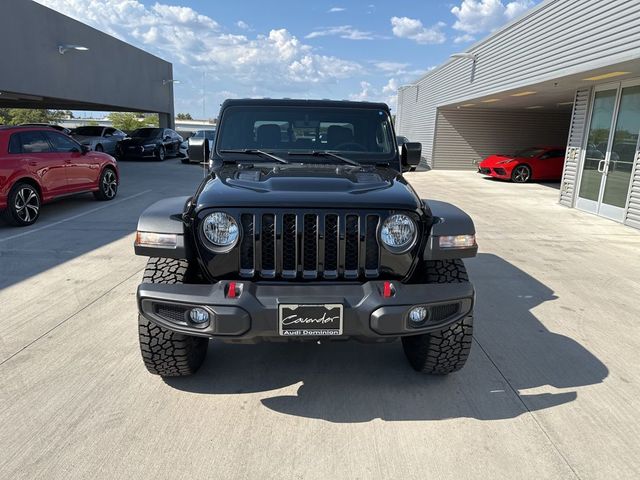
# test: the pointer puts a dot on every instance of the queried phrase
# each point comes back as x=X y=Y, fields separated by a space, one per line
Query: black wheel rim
x=521 y=175
x=27 y=204
x=109 y=184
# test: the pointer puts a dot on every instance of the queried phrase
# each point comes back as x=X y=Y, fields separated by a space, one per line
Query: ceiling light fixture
x=491 y=100
x=62 y=49
x=468 y=105
x=604 y=76
x=562 y=104
x=534 y=107
x=523 y=94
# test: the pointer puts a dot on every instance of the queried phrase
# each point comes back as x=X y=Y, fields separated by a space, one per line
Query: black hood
x=308 y=186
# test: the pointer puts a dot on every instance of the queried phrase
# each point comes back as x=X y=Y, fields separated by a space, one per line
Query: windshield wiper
x=325 y=153
x=255 y=151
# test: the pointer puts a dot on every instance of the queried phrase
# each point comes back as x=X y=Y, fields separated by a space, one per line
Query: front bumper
x=253 y=315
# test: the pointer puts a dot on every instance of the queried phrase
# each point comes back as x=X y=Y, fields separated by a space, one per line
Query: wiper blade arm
x=325 y=153
x=255 y=151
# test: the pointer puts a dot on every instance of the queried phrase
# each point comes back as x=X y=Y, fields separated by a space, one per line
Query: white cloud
x=336 y=9
x=387 y=93
x=342 y=31
x=466 y=38
x=272 y=64
x=413 y=29
x=243 y=25
x=480 y=16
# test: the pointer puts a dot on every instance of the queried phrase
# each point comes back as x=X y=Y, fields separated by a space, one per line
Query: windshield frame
x=364 y=158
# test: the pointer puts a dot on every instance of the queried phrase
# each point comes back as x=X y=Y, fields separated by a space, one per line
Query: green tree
x=125 y=121
x=184 y=116
x=151 y=120
x=26 y=115
x=4 y=116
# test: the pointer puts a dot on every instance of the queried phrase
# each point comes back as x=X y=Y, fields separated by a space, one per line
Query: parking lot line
x=18 y=235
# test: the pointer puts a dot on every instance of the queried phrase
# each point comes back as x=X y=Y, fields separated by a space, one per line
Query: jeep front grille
x=309 y=245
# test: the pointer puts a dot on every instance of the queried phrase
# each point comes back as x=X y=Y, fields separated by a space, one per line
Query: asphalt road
x=551 y=389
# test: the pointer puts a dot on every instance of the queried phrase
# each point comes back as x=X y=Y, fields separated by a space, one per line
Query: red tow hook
x=231 y=292
x=387 y=290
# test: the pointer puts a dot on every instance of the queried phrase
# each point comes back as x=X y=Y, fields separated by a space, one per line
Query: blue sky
x=361 y=50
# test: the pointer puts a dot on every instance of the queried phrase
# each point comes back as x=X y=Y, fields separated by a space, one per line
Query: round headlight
x=398 y=233
x=220 y=229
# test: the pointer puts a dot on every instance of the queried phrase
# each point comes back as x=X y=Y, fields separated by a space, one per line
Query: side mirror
x=84 y=149
x=167 y=138
x=410 y=155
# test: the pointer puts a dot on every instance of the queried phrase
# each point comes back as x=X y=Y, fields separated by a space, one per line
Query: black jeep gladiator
x=305 y=229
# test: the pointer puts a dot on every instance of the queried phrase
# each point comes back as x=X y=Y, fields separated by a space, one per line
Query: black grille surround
x=305 y=244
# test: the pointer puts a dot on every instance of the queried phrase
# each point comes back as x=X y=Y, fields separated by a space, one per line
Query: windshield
x=361 y=133
x=528 y=153
x=146 y=133
x=89 y=131
x=208 y=134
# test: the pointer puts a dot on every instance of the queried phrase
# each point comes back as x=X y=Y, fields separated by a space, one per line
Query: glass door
x=611 y=148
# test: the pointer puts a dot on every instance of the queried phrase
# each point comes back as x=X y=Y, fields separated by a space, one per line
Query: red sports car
x=39 y=164
x=537 y=163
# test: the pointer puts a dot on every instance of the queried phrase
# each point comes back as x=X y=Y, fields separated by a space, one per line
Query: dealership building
x=566 y=73
x=51 y=61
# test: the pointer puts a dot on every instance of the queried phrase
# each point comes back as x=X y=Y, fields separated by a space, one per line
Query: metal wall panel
x=574 y=147
x=632 y=217
x=559 y=37
x=464 y=137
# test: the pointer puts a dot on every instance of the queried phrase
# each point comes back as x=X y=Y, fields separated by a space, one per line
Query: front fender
x=448 y=220
x=165 y=217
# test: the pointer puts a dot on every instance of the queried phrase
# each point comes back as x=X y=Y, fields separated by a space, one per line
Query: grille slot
x=351 y=246
x=372 y=249
x=331 y=246
x=247 y=260
x=268 y=246
x=309 y=245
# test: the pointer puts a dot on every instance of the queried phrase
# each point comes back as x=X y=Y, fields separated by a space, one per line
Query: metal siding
x=574 y=147
x=559 y=37
x=466 y=136
x=632 y=217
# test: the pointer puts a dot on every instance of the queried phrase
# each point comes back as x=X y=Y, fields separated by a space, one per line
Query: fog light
x=199 y=315
x=417 y=315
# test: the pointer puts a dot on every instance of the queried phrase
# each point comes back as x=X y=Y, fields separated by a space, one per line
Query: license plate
x=310 y=320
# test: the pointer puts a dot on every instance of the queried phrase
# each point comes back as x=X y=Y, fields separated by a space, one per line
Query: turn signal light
x=231 y=290
x=387 y=290
x=151 y=239
x=457 y=241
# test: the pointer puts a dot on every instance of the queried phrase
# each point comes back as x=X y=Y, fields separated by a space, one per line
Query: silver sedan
x=100 y=139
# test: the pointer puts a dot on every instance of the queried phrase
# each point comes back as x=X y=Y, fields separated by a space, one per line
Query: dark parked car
x=200 y=145
x=285 y=242
x=100 y=139
x=40 y=164
x=152 y=143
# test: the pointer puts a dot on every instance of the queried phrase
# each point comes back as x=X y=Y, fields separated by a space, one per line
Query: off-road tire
x=446 y=351
x=167 y=353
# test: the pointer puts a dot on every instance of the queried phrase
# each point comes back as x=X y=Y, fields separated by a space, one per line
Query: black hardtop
x=290 y=102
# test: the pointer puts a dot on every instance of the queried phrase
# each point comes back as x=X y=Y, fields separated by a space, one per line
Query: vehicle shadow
x=352 y=382
x=544 y=183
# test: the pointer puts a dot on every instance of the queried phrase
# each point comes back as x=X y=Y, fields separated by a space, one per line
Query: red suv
x=39 y=164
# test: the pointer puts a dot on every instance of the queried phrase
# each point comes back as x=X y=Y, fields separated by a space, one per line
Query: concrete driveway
x=551 y=390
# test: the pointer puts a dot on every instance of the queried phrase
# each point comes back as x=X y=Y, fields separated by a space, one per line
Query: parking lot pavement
x=551 y=389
